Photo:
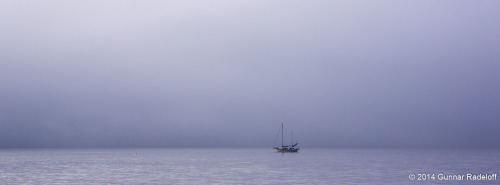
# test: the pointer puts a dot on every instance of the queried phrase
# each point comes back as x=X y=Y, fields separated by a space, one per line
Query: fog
x=228 y=73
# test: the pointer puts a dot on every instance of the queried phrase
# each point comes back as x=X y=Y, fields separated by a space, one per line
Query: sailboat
x=286 y=148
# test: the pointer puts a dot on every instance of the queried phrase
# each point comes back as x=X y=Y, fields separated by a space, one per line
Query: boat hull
x=287 y=150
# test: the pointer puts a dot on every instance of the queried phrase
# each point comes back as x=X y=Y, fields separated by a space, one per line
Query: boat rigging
x=286 y=148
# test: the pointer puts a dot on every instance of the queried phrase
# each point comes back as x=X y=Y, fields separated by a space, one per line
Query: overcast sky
x=228 y=73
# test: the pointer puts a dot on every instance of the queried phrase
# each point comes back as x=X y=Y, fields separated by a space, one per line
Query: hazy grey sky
x=227 y=73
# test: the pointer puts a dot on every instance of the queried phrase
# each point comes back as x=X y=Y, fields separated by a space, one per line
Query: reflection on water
x=241 y=166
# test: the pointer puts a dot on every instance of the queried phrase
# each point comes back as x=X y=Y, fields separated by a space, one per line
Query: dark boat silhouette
x=286 y=148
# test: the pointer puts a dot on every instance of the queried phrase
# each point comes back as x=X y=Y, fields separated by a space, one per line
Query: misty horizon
x=389 y=74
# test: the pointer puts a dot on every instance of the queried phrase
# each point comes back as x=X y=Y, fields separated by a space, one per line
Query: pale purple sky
x=227 y=73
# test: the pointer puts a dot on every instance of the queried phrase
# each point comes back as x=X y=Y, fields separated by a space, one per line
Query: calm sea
x=245 y=166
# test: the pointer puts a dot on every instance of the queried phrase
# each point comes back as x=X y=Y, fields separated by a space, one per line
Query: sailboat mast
x=281 y=134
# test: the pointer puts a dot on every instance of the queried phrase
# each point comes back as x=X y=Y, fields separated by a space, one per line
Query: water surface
x=241 y=166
